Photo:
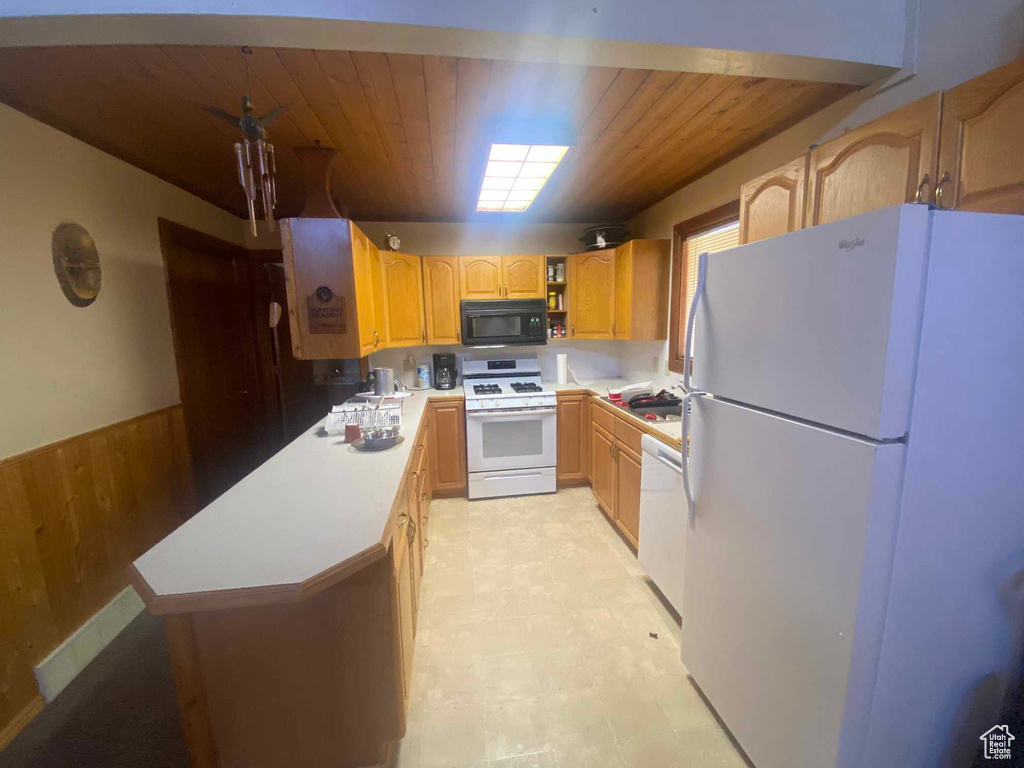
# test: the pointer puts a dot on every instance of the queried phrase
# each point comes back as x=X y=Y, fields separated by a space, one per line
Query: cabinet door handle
x=412 y=531
x=458 y=334
x=925 y=181
x=939 y=187
x=572 y=329
x=611 y=450
x=402 y=519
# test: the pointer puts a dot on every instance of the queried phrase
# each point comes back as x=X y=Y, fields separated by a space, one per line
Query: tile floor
x=535 y=647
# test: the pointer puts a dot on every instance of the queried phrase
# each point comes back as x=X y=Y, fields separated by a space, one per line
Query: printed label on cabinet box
x=326 y=311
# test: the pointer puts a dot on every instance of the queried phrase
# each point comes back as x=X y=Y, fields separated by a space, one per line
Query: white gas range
x=511 y=442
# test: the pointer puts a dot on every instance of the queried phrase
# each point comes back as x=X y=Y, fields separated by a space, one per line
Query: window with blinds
x=717 y=239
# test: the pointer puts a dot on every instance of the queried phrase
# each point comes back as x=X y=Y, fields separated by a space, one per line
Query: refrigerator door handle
x=690 y=507
x=697 y=291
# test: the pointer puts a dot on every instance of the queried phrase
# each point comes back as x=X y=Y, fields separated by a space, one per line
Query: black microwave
x=504 y=321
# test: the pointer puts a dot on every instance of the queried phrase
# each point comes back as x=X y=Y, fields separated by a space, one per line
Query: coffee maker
x=445 y=372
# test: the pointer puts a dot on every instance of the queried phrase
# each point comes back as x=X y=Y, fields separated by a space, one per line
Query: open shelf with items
x=557 y=296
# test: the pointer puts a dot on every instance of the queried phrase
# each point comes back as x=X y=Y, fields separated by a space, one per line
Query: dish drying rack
x=365 y=415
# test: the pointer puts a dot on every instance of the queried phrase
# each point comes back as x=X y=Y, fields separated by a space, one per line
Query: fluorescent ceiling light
x=515 y=174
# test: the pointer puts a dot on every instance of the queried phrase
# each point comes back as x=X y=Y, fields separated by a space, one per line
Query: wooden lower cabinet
x=627 y=493
x=573 y=428
x=615 y=469
x=404 y=607
x=448 y=448
x=602 y=468
x=319 y=679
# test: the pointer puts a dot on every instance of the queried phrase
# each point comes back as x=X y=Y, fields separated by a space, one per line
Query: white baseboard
x=70 y=657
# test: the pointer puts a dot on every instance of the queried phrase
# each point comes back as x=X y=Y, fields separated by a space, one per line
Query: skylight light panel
x=515 y=174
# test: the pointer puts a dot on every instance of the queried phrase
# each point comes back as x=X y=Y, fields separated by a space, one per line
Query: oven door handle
x=510 y=415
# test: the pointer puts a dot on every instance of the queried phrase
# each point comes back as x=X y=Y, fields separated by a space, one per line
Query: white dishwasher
x=662 y=519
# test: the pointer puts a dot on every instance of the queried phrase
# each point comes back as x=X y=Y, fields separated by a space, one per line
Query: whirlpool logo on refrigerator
x=849 y=245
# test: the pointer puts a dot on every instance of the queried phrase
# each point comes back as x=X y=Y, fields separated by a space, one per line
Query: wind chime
x=254 y=154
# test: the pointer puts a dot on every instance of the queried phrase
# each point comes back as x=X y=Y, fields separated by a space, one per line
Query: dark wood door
x=215 y=290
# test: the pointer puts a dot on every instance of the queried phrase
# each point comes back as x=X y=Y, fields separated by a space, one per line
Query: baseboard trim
x=23 y=718
x=69 y=658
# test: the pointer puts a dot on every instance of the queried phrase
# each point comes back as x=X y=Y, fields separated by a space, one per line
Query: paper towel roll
x=562 y=366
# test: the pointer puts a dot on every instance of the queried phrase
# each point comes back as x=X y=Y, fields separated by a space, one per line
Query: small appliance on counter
x=445 y=371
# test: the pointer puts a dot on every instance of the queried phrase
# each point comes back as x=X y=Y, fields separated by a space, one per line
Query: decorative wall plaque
x=76 y=264
x=326 y=311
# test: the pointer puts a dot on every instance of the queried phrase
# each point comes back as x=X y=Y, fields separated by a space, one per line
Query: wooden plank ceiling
x=411 y=130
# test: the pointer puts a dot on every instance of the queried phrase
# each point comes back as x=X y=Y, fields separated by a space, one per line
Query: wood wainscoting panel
x=73 y=516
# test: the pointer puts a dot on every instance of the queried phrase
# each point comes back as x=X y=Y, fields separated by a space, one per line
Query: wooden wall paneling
x=773 y=203
x=606 y=154
x=29 y=629
x=712 y=115
x=876 y=165
x=332 y=123
x=410 y=93
x=410 y=130
x=73 y=515
x=778 y=106
x=350 y=179
x=376 y=79
x=612 y=97
x=441 y=299
x=982 y=146
x=440 y=75
x=470 y=156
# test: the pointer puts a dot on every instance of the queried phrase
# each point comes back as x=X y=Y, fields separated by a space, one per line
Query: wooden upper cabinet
x=882 y=163
x=592 y=298
x=329 y=277
x=623 y=291
x=363 y=275
x=524 y=277
x=642 y=290
x=377 y=279
x=480 y=277
x=441 y=298
x=403 y=299
x=773 y=204
x=981 y=159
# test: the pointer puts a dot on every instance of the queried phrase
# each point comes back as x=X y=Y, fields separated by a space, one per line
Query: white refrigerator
x=855 y=484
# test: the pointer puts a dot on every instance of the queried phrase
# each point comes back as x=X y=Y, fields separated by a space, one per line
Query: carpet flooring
x=119 y=712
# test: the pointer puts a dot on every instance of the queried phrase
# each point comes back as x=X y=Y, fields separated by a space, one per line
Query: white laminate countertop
x=316 y=503
x=673 y=430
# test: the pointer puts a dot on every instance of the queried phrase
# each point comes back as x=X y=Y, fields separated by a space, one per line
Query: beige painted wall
x=957 y=41
x=65 y=370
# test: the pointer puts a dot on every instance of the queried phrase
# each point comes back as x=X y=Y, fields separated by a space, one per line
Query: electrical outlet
x=656 y=366
x=409 y=363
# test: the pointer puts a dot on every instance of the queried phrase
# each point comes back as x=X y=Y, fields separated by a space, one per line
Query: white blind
x=710 y=241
